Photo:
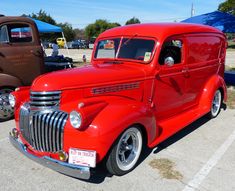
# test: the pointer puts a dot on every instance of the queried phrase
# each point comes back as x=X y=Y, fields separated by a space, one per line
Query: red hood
x=87 y=76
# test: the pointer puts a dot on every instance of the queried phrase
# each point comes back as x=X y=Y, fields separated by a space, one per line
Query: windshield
x=130 y=48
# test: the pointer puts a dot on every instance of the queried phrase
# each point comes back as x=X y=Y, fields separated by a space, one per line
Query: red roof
x=158 y=30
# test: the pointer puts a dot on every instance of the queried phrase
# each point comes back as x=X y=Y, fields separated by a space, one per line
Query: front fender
x=22 y=95
x=214 y=83
x=10 y=81
x=117 y=115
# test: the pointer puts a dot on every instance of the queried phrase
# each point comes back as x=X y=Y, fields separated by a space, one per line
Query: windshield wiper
x=128 y=40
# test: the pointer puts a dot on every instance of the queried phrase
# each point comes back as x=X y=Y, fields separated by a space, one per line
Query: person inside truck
x=55 y=49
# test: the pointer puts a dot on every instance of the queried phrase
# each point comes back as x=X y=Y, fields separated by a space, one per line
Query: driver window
x=171 y=51
x=4 y=34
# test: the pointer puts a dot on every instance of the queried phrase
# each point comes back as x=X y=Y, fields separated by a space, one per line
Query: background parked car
x=61 y=42
x=77 y=44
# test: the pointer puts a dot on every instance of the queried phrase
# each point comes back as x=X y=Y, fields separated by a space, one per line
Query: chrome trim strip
x=75 y=171
x=43 y=103
x=45 y=93
x=115 y=88
x=45 y=98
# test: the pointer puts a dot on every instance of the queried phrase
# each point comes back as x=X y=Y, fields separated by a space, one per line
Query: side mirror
x=169 y=61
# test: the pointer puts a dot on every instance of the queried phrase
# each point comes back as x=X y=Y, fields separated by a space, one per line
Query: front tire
x=215 y=105
x=125 y=152
x=6 y=111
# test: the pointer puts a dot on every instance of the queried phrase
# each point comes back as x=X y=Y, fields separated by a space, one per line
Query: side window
x=203 y=48
x=171 y=51
x=20 y=33
x=4 y=34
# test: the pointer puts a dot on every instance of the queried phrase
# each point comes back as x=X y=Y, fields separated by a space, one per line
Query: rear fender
x=214 y=83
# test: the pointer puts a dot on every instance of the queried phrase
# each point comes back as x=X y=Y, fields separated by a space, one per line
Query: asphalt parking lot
x=201 y=157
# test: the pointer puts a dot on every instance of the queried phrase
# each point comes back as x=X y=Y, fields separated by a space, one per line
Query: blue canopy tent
x=44 y=27
x=223 y=21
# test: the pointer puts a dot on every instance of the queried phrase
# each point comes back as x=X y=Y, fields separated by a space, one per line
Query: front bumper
x=62 y=167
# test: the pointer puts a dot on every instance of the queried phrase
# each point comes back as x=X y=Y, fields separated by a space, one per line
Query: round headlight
x=12 y=100
x=75 y=119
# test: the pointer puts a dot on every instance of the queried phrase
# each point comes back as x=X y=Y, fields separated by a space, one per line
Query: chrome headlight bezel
x=12 y=100
x=75 y=119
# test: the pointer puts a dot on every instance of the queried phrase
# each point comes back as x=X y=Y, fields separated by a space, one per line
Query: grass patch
x=166 y=168
x=231 y=98
x=231 y=45
x=228 y=68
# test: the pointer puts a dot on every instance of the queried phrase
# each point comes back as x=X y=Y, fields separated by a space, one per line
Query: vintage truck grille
x=43 y=131
x=45 y=99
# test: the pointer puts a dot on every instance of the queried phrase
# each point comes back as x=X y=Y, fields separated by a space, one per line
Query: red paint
x=165 y=100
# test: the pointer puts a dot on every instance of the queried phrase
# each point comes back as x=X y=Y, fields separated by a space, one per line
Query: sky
x=80 y=13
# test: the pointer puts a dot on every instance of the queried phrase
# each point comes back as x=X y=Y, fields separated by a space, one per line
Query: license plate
x=82 y=157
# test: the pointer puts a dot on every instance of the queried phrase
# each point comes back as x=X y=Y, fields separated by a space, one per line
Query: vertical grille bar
x=59 y=131
x=47 y=132
x=43 y=132
x=36 y=132
x=39 y=127
x=33 y=142
x=55 y=130
x=51 y=131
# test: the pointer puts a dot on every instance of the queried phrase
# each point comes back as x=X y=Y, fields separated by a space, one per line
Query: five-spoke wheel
x=216 y=104
x=125 y=152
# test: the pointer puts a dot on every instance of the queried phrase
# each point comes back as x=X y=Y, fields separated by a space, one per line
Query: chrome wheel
x=216 y=103
x=125 y=152
x=6 y=111
x=129 y=149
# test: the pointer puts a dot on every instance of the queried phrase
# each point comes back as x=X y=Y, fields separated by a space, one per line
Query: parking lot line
x=205 y=170
x=4 y=139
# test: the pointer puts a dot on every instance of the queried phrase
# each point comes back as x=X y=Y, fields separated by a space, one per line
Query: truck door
x=20 y=52
x=171 y=81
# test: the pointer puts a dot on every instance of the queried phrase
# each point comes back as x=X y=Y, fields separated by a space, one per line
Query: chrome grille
x=45 y=99
x=43 y=131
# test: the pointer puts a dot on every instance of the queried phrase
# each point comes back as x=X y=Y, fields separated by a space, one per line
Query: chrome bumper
x=62 y=167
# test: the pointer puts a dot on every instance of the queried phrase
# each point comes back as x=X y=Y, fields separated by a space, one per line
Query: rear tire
x=6 y=111
x=215 y=105
x=125 y=152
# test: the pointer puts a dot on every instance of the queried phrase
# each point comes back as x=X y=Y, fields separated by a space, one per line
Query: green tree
x=228 y=6
x=133 y=20
x=79 y=33
x=45 y=17
x=94 y=29
x=68 y=31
